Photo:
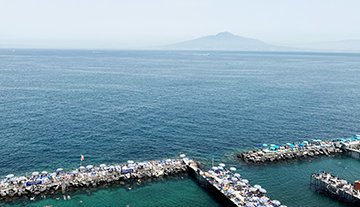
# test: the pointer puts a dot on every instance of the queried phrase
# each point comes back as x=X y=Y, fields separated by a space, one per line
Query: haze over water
x=113 y=106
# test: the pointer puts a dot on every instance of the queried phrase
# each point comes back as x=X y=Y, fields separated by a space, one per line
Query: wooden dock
x=335 y=187
x=232 y=189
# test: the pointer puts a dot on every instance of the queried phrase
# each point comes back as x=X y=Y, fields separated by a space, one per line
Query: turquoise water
x=112 y=106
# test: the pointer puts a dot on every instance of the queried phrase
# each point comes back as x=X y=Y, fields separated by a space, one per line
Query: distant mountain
x=223 y=41
x=335 y=46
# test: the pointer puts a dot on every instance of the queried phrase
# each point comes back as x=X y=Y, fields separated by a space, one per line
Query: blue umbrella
x=276 y=147
x=272 y=148
x=265 y=145
x=292 y=145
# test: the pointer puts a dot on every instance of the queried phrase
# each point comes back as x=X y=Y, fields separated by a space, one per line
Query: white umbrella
x=232 y=169
x=343 y=182
x=245 y=181
x=242 y=184
x=81 y=167
x=222 y=165
x=262 y=190
x=182 y=155
x=237 y=175
x=53 y=174
x=22 y=178
x=44 y=172
x=168 y=160
x=112 y=167
x=10 y=176
x=249 y=205
x=276 y=202
x=130 y=162
x=225 y=181
x=220 y=168
x=264 y=199
x=102 y=165
x=89 y=166
x=234 y=179
x=214 y=168
x=231 y=191
x=252 y=189
x=210 y=171
x=35 y=173
x=131 y=165
x=283 y=206
x=257 y=186
x=59 y=169
x=13 y=179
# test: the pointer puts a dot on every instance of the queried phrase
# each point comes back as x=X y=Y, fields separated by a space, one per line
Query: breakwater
x=89 y=176
x=335 y=187
x=233 y=189
x=307 y=149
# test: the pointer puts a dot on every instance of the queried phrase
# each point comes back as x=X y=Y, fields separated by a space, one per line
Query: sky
x=118 y=24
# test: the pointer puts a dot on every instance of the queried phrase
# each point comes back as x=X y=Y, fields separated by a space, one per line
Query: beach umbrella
x=22 y=178
x=210 y=171
x=74 y=172
x=133 y=165
x=262 y=190
x=130 y=162
x=265 y=145
x=59 y=169
x=272 y=148
x=10 y=176
x=268 y=205
x=234 y=179
x=292 y=145
x=306 y=142
x=112 y=166
x=249 y=205
x=245 y=181
x=225 y=181
x=264 y=199
x=53 y=174
x=13 y=179
x=44 y=172
x=242 y=184
x=182 y=155
x=102 y=165
x=81 y=167
x=220 y=168
x=168 y=160
x=214 y=168
x=232 y=169
x=252 y=189
x=89 y=166
x=257 y=186
x=276 y=202
x=276 y=147
x=288 y=143
x=343 y=182
x=35 y=173
x=237 y=175
x=222 y=165
x=255 y=198
x=231 y=191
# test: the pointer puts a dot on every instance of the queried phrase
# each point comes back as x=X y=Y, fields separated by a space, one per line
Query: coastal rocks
x=260 y=157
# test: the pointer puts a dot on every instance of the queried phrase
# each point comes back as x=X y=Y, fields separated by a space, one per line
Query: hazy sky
x=137 y=23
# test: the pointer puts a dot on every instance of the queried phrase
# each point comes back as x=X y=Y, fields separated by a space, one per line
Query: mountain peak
x=224 y=34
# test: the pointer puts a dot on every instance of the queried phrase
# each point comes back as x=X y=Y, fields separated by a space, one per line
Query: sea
x=117 y=105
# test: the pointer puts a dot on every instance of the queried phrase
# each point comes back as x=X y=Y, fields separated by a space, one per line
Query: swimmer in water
x=64 y=197
x=57 y=198
x=68 y=197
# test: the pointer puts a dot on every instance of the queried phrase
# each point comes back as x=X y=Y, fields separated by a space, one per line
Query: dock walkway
x=232 y=187
x=335 y=187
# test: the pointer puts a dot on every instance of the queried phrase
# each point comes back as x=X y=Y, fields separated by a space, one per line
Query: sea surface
x=113 y=106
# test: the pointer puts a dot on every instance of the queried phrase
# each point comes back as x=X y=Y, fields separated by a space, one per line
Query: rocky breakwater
x=88 y=176
x=267 y=156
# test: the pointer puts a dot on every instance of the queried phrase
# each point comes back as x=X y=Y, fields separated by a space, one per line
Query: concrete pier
x=335 y=187
x=232 y=190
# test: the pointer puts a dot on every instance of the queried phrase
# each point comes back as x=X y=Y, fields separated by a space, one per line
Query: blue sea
x=113 y=106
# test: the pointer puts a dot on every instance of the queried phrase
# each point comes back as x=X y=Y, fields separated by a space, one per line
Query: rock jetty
x=290 y=151
x=88 y=176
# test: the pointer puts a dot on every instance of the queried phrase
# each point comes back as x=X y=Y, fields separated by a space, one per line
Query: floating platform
x=335 y=187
